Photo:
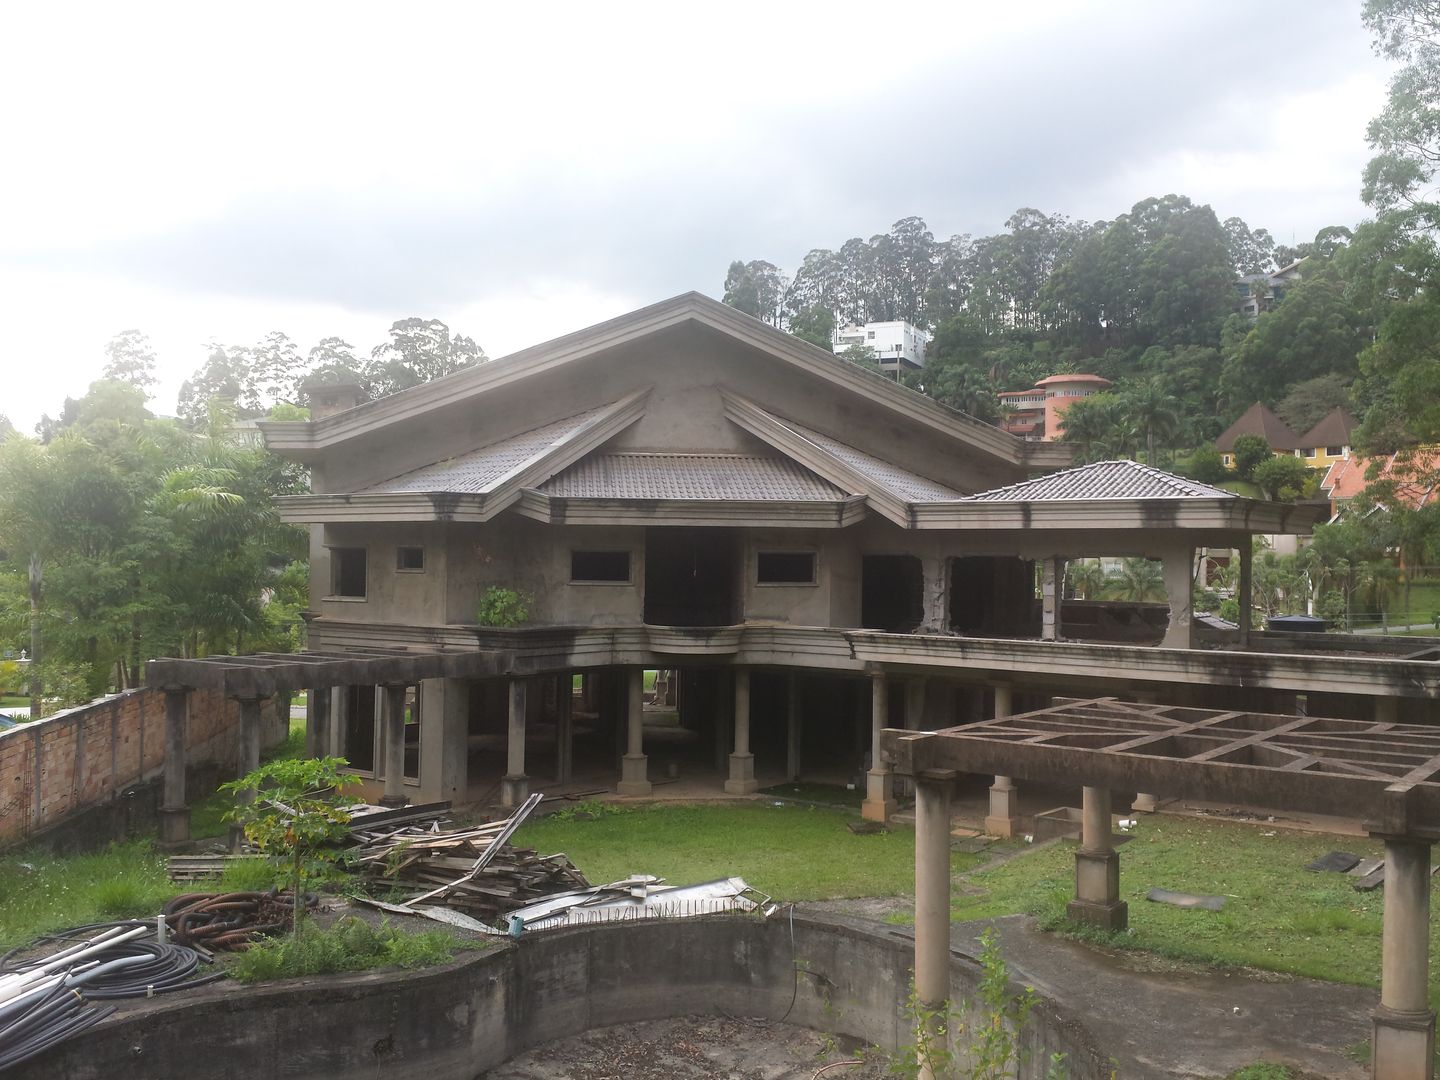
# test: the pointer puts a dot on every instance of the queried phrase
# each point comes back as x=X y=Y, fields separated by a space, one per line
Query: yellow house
x=1328 y=441
x=1258 y=420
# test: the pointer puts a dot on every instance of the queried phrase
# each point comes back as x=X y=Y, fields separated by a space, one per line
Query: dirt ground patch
x=690 y=1048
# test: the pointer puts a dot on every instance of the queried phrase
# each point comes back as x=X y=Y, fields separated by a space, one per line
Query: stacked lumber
x=474 y=870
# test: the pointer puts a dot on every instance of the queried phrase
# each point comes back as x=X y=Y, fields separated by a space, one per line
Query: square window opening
x=785 y=568
x=347 y=572
x=411 y=559
x=600 y=566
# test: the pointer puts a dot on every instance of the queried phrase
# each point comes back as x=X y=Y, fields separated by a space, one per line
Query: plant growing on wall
x=500 y=606
x=297 y=808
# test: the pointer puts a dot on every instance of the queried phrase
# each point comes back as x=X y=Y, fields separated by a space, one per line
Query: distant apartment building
x=1252 y=304
x=896 y=346
x=1036 y=414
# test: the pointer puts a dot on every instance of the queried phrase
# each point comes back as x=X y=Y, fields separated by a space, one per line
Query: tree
x=1090 y=424
x=130 y=359
x=966 y=389
x=419 y=350
x=1150 y=406
x=290 y=809
x=1206 y=465
x=1086 y=578
x=1282 y=477
x=815 y=324
x=334 y=360
x=1250 y=252
x=1138 y=581
x=225 y=376
x=1309 y=402
x=1250 y=451
x=756 y=288
x=1406 y=134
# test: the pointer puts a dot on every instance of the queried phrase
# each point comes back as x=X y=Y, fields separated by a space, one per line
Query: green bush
x=503 y=607
x=349 y=944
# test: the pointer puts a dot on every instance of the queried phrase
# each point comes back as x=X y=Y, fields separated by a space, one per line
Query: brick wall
x=87 y=757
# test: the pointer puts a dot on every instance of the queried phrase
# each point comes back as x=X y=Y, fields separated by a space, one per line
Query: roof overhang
x=1212 y=515
x=556 y=510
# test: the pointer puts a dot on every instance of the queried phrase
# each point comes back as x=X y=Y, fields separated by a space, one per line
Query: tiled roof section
x=1103 y=480
x=1258 y=420
x=479 y=470
x=1333 y=430
x=733 y=477
x=905 y=484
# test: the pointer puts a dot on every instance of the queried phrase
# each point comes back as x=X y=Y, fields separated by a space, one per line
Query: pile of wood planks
x=473 y=870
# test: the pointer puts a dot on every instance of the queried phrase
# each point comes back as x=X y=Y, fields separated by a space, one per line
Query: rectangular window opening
x=785 y=567
x=347 y=572
x=411 y=559
x=587 y=566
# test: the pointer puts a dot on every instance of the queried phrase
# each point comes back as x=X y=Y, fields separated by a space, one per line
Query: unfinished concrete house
x=805 y=551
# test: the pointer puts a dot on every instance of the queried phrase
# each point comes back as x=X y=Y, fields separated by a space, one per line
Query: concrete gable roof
x=303 y=439
x=1258 y=420
x=1104 y=480
x=1333 y=430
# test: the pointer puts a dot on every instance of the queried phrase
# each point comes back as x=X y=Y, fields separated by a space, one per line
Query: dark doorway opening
x=360 y=727
x=993 y=596
x=691 y=577
x=891 y=593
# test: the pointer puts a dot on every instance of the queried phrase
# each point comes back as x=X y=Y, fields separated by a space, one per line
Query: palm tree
x=1139 y=580
x=1087 y=578
x=1089 y=422
x=1150 y=405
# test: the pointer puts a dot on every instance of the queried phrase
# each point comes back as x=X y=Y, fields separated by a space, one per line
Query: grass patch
x=207 y=816
x=1278 y=916
x=14 y=701
x=1262 y=1070
x=791 y=852
x=123 y=881
x=825 y=794
x=348 y=944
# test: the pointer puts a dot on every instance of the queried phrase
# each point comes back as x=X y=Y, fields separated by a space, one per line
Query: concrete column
x=564 y=729
x=1177 y=568
x=935 y=574
x=879 y=801
x=742 y=762
x=317 y=722
x=444 y=740
x=635 y=767
x=932 y=902
x=1146 y=803
x=174 y=814
x=1052 y=595
x=1004 y=816
x=394 y=747
x=1403 y=1033
x=1244 y=590
x=515 y=785
x=1097 y=868
x=794 y=727
x=249 y=758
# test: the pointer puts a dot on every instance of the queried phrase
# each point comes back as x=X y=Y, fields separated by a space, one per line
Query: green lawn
x=791 y=852
x=1277 y=916
x=40 y=892
x=14 y=701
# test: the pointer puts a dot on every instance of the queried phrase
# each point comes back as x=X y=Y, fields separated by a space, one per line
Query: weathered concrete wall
x=453 y=1023
x=89 y=756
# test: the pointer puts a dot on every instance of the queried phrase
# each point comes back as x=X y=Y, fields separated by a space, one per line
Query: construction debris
x=639 y=897
x=1335 y=862
x=230 y=921
x=1186 y=900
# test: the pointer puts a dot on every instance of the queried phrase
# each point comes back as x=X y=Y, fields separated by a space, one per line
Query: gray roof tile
x=480 y=470
x=735 y=477
x=1103 y=480
x=901 y=482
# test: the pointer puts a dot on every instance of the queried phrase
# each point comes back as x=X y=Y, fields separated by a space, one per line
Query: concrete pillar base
x=879 y=802
x=394 y=802
x=1145 y=804
x=1112 y=917
x=1402 y=1045
x=742 y=775
x=514 y=790
x=634 y=775
x=174 y=824
x=1004 y=801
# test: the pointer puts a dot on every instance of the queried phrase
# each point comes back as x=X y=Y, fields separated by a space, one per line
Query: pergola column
x=1244 y=589
x=174 y=814
x=1403 y=1033
x=935 y=595
x=1146 y=803
x=564 y=729
x=634 y=766
x=515 y=785
x=247 y=759
x=1097 y=868
x=317 y=722
x=1177 y=568
x=1052 y=596
x=742 y=762
x=1004 y=817
x=794 y=727
x=932 y=905
x=879 y=801
x=394 y=746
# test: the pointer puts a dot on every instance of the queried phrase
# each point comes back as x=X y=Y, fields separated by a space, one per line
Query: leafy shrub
x=503 y=607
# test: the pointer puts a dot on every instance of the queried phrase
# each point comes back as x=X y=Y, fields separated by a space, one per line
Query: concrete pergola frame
x=1386 y=775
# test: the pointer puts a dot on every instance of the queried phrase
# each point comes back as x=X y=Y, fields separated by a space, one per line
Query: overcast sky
x=213 y=172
